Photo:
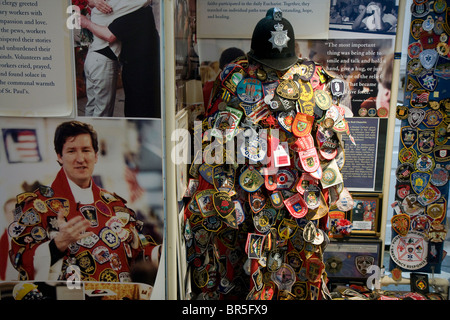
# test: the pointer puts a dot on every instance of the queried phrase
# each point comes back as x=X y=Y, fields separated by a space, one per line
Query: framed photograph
x=350 y=260
x=365 y=214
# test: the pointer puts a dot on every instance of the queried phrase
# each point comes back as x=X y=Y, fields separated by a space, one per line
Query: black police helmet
x=273 y=41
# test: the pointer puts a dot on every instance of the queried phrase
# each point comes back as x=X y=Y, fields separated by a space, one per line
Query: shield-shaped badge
x=285 y=119
x=223 y=203
x=285 y=179
x=363 y=263
x=415 y=117
x=428 y=58
x=302 y=124
x=249 y=90
x=276 y=199
x=275 y=259
x=419 y=181
x=90 y=214
x=309 y=160
x=312 y=196
x=287 y=228
x=412 y=84
x=425 y=142
x=416 y=28
x=257 y=201
x=250 y=179
x=429 y=195
x=204 y=201
x=427 y=79
x=306 y=91
x=58 y=205
x=288 y=89
x=223 y=178
x=314 y=269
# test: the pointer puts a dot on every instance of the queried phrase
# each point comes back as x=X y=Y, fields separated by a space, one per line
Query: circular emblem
x=383 y=112
x=108 y=275
x=249 y=90
x=409 y=252
x=407 y=155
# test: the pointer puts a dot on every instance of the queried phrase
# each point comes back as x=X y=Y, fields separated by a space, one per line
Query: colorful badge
x=86 y=262
x=419 y=181
x=58 y=205
x=276 y=199
x=401 y=223
x=30 y=218
x=254 y=148
x=309 y=160
x=254 y=245
x=226 y=123
x=204 y=201
x=90 y=214
x=424 y=163
x=223 y=178
x=287 y=228
x=427 y=79
x=286 y=119
x=288 y=89
x=223 y=203
x=337 y=87
x=257 y=201
x=407 y=155
x=410 y=251
x=414 y=49
x=302 y=124
x=285 y=179
x=263 y=220
x=429 y=195
x=296 y=206
x=439 y=176
x=403 y=172
x=425 y=142
x=419 y=99
x=428 y=58
x=415 y=117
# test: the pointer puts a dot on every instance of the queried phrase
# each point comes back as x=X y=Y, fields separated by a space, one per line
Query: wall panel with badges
x=421 y=190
